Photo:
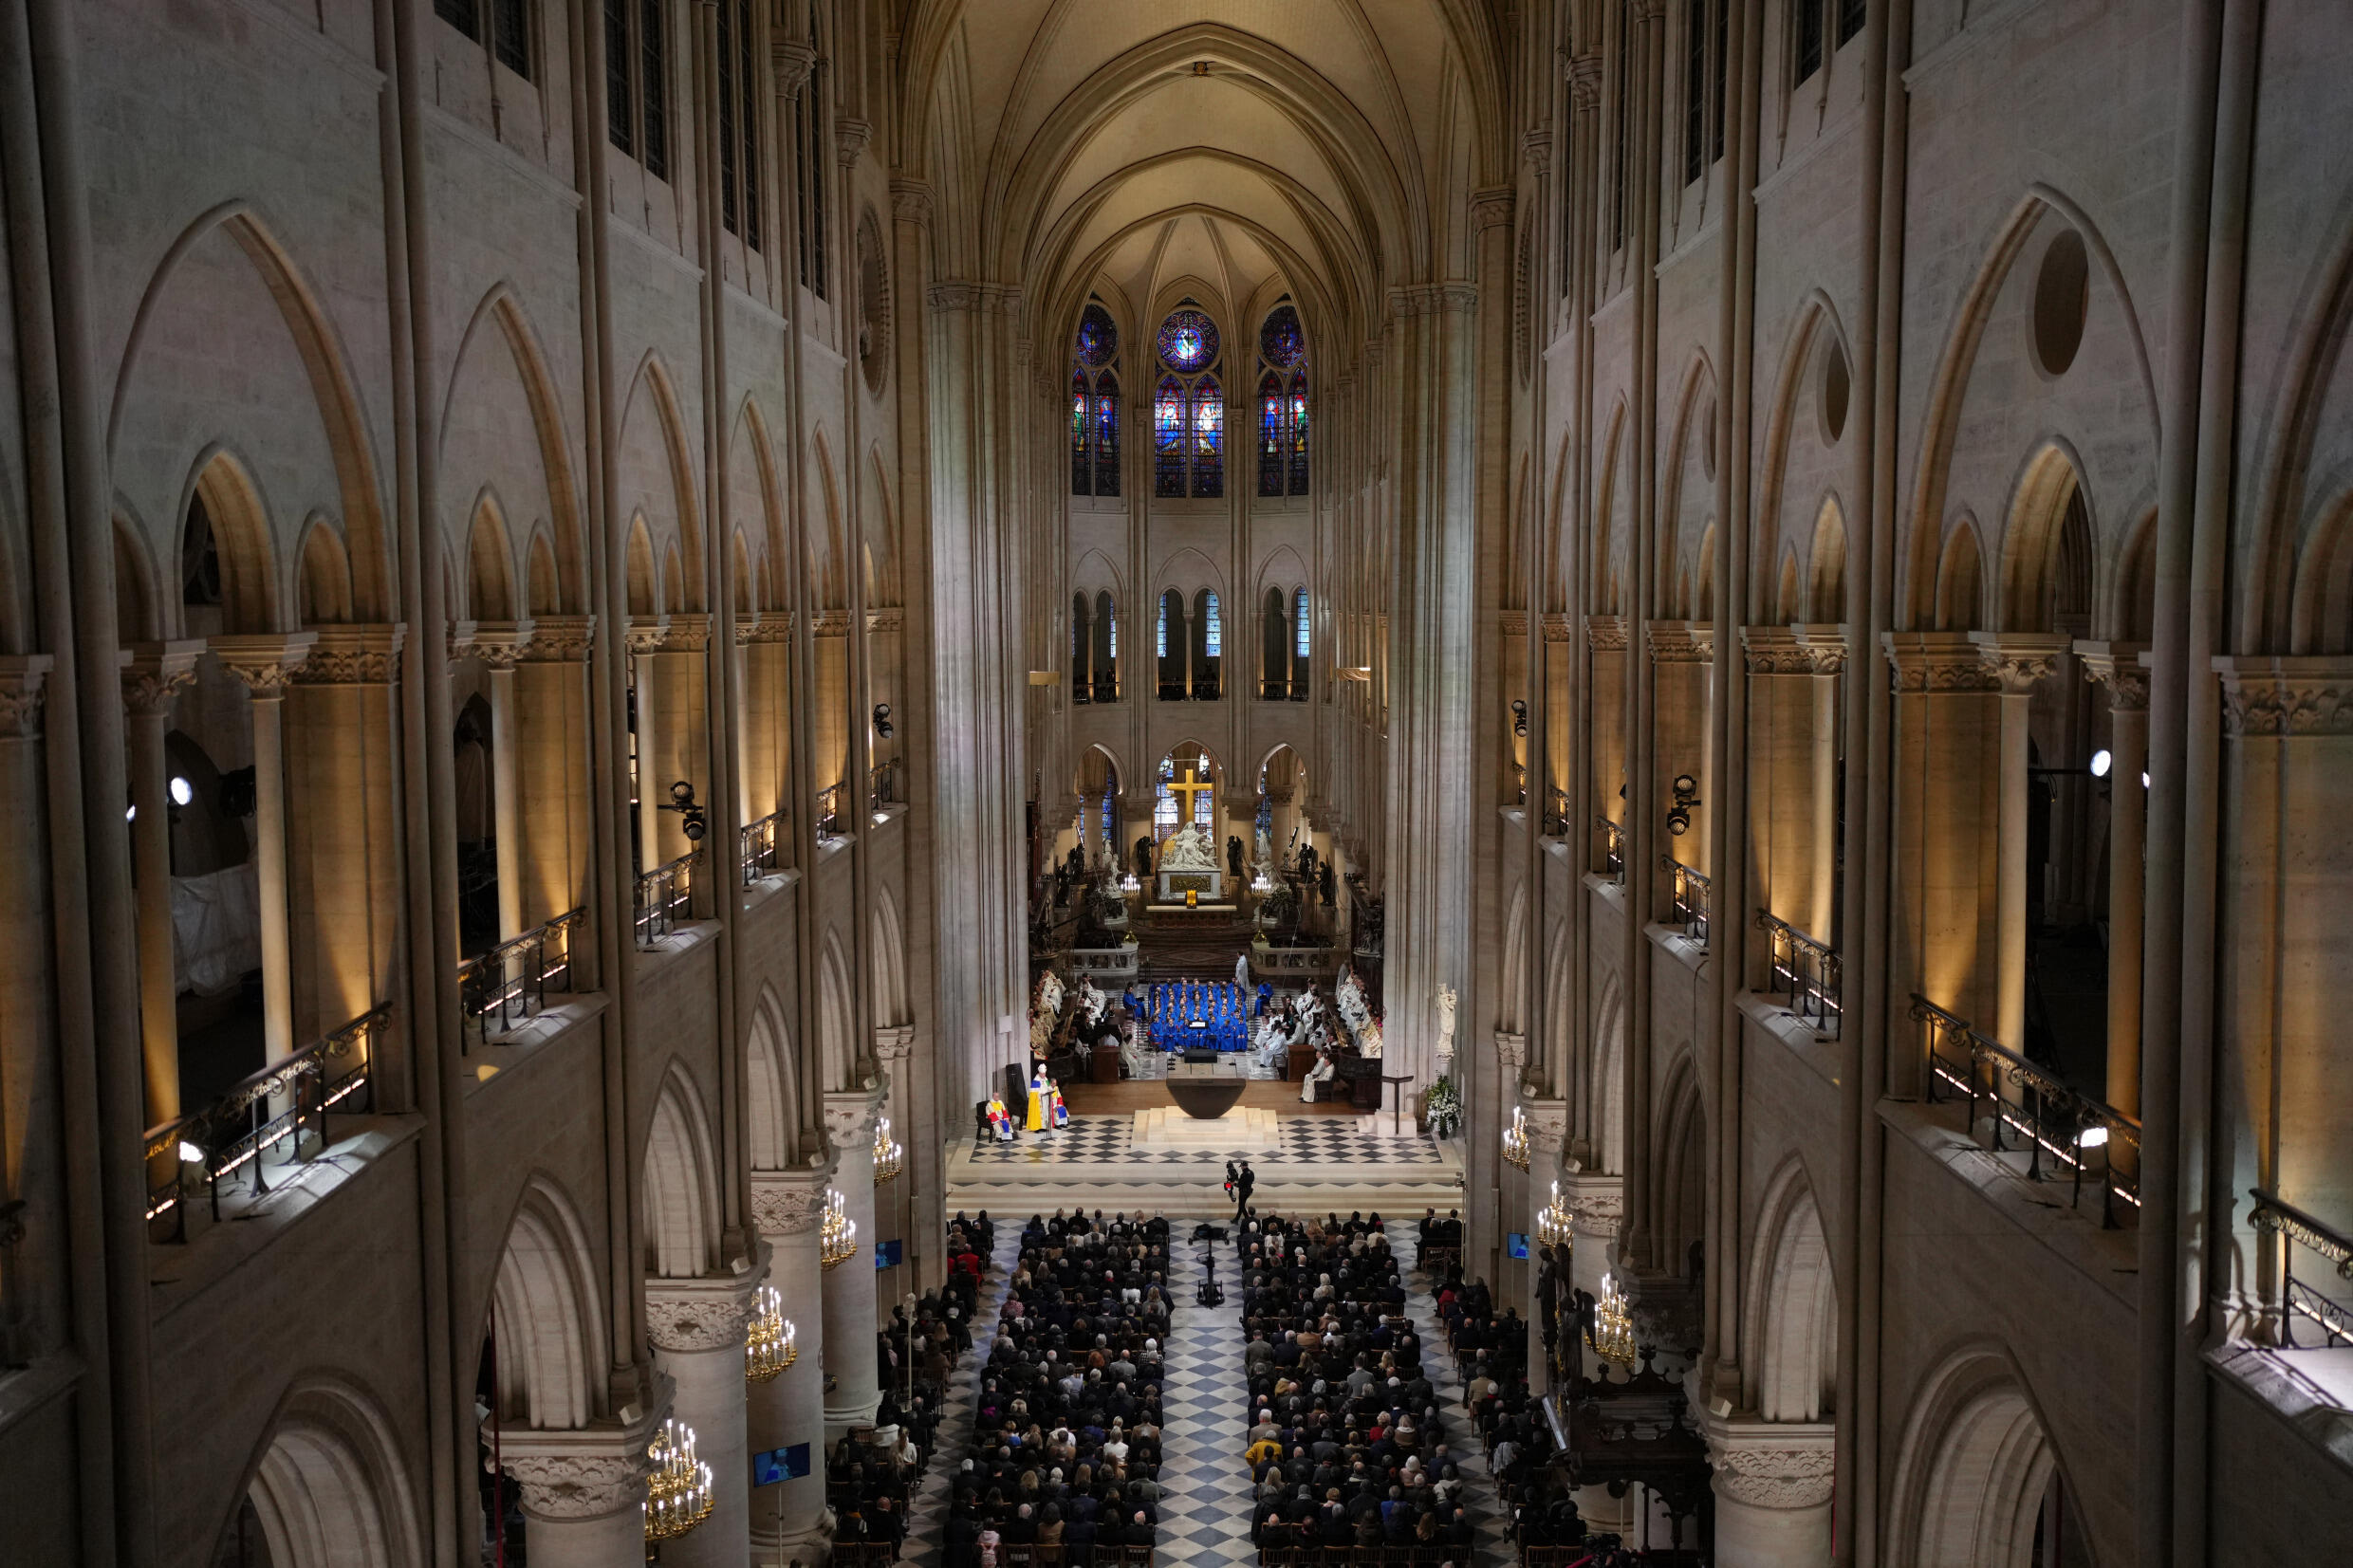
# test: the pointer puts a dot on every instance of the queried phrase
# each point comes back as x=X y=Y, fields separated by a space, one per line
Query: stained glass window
x=1201 y=809
x=1168 y=439
x=1213 y=633
x=1095 y=404
x=1299 y=434
x=1189 y=341
x=1164 y=813
x=1281 y=343
x=1160 y=647
x=1209 y=437
x=1107 y=433
x=1274 y=439
x=1099 y=338
x=1299 y=624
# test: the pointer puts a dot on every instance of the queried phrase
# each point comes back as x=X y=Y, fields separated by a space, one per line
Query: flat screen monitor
x=886 y=1254
x=771 y=1466
x=1516 y=1243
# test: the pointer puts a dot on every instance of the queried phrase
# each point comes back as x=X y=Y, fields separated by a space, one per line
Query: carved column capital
x=894 y=1042
x=1491 y=209
x=686 y=633
x=23 y=677
x=2285 y=697
x=1584 y=82
x=645 y=633
x=1536 y=150
x=154 y=674
x=1680 y=641
x=560 y=639
x=1606 y=634
x=705 y=1313
x=849 y=1116
x=1558 y=626
x=911 y=202
x=1511 y=1049
x=1779 y=1464
x=2019 y=660
x=850 y=136
x=790 y=1202
x=355 y=656
x=791 y=61
x=1936 y=663
x=265 y=661
x=1596 y=1202
x=583 y=1474
x=499 y=644
x=1547 y=1127
x=2117 y=666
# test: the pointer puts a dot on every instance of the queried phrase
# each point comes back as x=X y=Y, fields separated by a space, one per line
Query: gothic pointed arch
x=330 y=1487
x=680 y=1187
x=545 y=1314
x=772 y=1085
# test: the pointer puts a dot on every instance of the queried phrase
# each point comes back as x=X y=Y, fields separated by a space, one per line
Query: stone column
x=264 y=662
x=1682 y=656
x=152 y=681
x=2117 y=666
x=500 y=645
x=558 y=830
x=1772 y=1491
x=583 y=1492
x=897 y=1216
x=849 y=1291
x=2018 y=660
x=1823 y=649
x=1607 y=637
x=697 y=1329
x=790 y=1406
x=643 y=638
x=682 y=739
x=1547 y=1131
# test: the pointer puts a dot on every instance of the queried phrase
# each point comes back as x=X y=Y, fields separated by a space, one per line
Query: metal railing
x=503 y=988
x=1106 y=688
x=1556 y=816
x=1613 y=847
x=762 y=848
x=2334 y=1313
x=1807 y=969
x=2030 y=1111
x=882 y=785
x=1693 y=895
x=1274 y=691
x=665 y=896
x=256 y=1114
x=829 y=811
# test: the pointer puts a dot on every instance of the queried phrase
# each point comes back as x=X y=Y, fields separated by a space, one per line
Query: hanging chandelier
x=677 y=1494
x=1553 y=1223
x=769 y=1347
x=888 y=1156
x=837 y=1234
x=1515 y=1140
x=1612 y=1338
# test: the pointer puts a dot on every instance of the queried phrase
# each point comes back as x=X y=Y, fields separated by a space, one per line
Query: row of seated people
x=1437 y=1243
x=1190 y=1014
x=871 y=1473
x=1065 y=1454
x=1345 y=1444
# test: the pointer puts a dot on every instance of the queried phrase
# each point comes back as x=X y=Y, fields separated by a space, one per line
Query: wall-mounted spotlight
x=882 y=721
x=682 y=802
x=1519 y=717
x=1686 y=797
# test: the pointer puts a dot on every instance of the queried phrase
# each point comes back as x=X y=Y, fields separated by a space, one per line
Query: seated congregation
x=1064 y=1460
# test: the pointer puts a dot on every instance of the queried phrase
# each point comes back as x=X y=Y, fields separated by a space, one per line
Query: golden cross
x=1190 y=786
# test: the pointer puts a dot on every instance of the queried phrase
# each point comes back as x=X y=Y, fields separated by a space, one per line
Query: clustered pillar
x=851 y=1322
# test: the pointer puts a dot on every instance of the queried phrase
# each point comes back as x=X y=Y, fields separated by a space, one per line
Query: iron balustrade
x=1274 y=690
x=882 y=785
x=1613 y=847
x=257 y=1114
x=1556 y=816
x=1106 y=688
x=2334 y=1313
x=1693 y=893
x=665 y=894
x=2056 y=1123
x=509 y=984
x=829 y=811
x=1807 y=971
x=762 y=853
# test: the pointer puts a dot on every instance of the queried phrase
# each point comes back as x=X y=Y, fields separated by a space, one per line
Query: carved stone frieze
x=2286 y=696
x=23 y=679
x=264 y=662
x=999 y=299
x=579 y=1485
x=1772 y=1464
x=1558 y=627
x=686 y=633
x=888 y=617
x=1512 y=623
x=685 y=1315
x=364 y=656
x=156 y=675
x=1606 y=634
x=829 y=623
x=499 y=644
x=1680 y=641
x=788 y=1203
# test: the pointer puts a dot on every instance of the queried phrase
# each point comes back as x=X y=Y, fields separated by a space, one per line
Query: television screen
x=771 y=1466
x=886 y=1254
x=1516 y=1243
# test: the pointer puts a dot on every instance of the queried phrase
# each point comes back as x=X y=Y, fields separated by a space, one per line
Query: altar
x=1173 y=885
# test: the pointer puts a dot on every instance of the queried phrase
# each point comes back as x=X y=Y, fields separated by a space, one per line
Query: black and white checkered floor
x=1205 y=1519
x=1307 y=1140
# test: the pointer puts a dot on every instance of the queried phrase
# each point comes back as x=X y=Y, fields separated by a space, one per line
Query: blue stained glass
x=1274 y=442
x=1299 y=434
x=1161 y=650
x=1209 y=437
x=1114 y=634
x=1299 y=619
x=1168 y=439
x=1099 y=336
x=1107 y=435
x=1189 y=341
x=1281 y=343
x=1213 y=633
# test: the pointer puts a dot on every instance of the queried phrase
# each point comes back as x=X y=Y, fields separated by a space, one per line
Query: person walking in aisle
x=1242 y=1186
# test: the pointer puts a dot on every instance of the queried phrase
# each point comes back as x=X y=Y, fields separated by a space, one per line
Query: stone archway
x=330 y=1490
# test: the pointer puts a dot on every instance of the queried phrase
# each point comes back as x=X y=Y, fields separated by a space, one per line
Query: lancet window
x=1095 y=404
x=1187 y=408
x=1281 y=404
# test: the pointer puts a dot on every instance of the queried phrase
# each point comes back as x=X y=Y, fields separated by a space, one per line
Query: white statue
x=1368 y=1040
x=1446 y=1022
x=1188 y=849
